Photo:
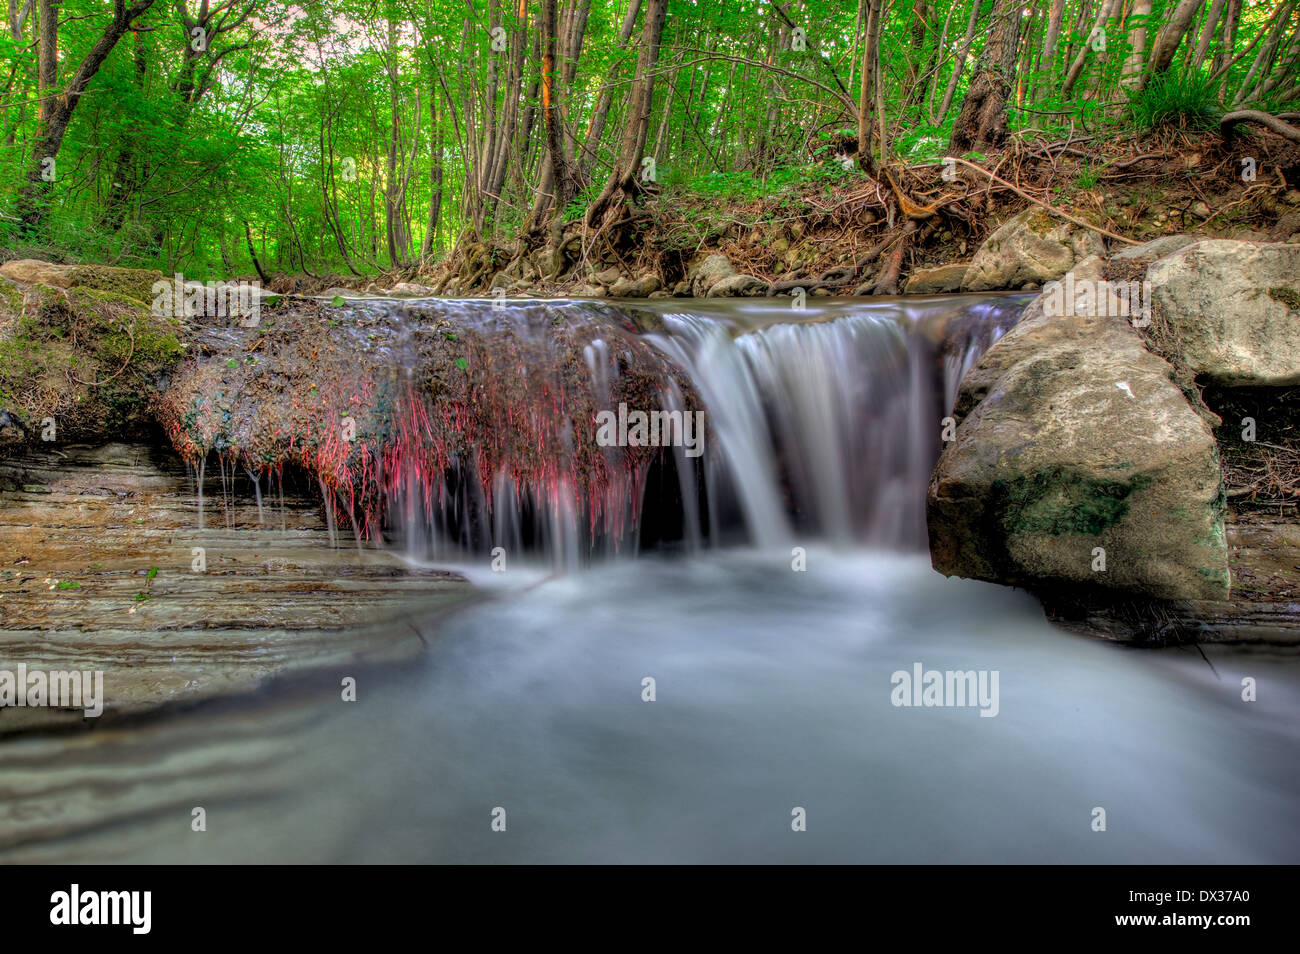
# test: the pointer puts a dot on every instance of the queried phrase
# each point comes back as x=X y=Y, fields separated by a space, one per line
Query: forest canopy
x=365 y=136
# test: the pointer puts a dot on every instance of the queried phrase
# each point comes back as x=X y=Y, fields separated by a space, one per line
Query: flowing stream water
x=695 y=700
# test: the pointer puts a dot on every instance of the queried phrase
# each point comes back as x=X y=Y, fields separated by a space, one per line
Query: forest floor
x=847 y=233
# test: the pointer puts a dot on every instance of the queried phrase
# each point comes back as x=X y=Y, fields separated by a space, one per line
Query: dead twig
x=1045 y=206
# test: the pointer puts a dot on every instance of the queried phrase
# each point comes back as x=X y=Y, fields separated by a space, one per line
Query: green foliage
x=1089 y=176
x=1190 y=102
x=290 y=143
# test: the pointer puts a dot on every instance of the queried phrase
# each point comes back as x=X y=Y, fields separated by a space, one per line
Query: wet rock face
x=1030 y=248
x=386 y=402
x=1233 y=309
x=1078 y=462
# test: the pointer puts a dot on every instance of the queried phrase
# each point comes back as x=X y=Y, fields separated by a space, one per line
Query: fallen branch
x=1228 y=122
x=1040 y=203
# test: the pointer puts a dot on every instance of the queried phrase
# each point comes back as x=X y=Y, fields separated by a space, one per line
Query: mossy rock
x=134 y=283
x=1079 y=464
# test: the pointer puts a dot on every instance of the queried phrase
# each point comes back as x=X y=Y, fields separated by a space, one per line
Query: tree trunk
x=959 y=68
x=1137 y=58
x=1076 y=68
x=1050 y=39
x=870 y=80
x=56 y=109
x=983 y=117
x=600 y=115
x=1166 y=44
x=622 y=182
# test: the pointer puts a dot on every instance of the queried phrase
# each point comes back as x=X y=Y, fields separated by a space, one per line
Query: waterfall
x=822 y=425
x=573 y=431
x=827 y=428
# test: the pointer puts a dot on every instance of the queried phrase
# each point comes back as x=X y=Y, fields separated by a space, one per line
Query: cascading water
x=828 y=427
x=822 y=423
x=458 y=429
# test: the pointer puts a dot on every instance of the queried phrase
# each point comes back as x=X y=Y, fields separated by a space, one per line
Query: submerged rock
x=1079 y=463
x=1030 y=247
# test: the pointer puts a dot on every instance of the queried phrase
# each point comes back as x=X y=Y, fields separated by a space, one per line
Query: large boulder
x=1233 y=310
x=1030 y=248
x=31 y=271
x=635 y=287
x=133 y=283
x=1078 y=462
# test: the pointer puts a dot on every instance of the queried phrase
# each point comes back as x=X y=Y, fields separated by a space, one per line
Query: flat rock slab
x=82 y=530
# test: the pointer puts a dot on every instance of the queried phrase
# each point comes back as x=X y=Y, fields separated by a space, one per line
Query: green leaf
x=337 y=300
x=462 y=363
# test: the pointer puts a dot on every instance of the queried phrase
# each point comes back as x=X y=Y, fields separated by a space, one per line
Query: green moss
x=1040 y=223
x=134 y=283
x=1059 y=502
x=1287 y=296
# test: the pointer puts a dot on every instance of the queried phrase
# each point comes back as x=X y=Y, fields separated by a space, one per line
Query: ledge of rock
x=98 y=572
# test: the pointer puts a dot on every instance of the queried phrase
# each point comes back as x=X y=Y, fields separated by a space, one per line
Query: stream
x=731 y=682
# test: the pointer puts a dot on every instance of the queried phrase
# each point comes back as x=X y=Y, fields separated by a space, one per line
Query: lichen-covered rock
x=136 y=283
x=1233 y=309
x=1078 y=462
x=1031 y=247
x=84 y=361
x=625 y=288
x=411 y=288
x=31 y=271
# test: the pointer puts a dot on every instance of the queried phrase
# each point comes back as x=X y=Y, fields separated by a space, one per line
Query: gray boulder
x=1233 y=309
x=1078 y=462
x=936 y=281
x=738 y=286
x=708 y=272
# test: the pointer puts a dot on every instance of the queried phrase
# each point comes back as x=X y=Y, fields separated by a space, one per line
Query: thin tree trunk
x=1166 y=44
x=623 y=180
x=983 y=117
x=959 y=68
